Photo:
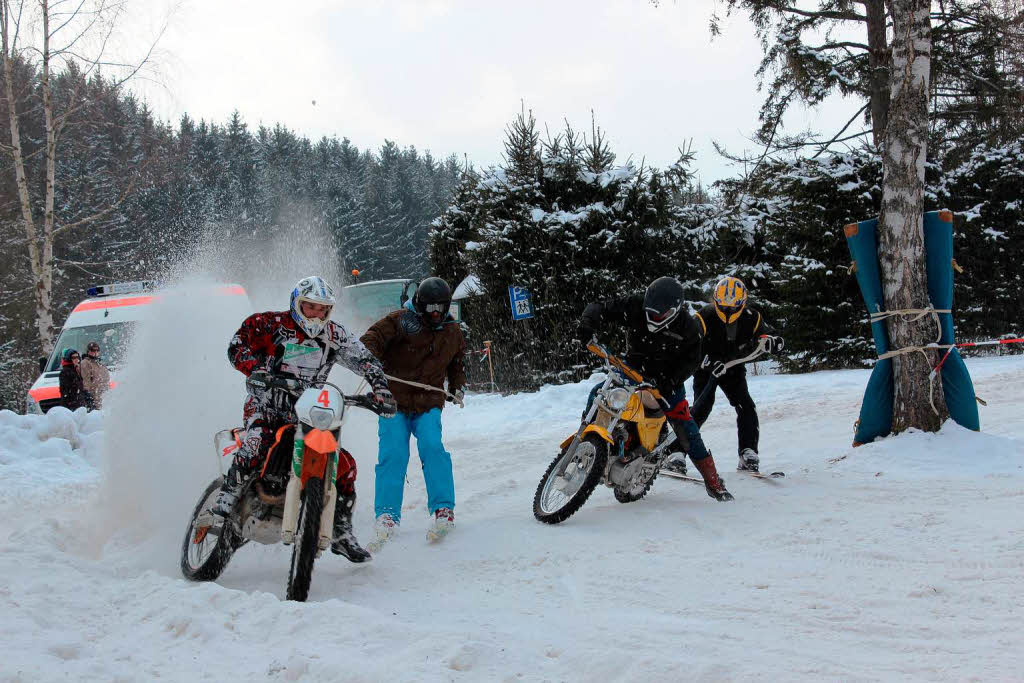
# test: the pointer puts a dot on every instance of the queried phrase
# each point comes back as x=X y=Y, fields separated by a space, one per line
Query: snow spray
x=177 y=388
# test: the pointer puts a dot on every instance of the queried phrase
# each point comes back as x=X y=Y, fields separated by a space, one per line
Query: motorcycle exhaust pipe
x=266 y=497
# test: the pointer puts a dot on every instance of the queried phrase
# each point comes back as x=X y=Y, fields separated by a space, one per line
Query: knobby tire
x=225 y=547
x=307 y=540
x=581 y=496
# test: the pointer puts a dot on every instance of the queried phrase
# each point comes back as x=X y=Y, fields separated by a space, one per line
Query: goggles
x=660 y=317
x=435 y=308
x=326 y=314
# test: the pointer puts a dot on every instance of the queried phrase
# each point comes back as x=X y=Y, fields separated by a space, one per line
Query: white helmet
x=313 y=290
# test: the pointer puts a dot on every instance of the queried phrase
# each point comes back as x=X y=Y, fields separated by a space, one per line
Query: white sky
x=448 y=75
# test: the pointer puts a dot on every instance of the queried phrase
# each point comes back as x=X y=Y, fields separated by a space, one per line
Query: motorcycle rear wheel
x=307 y=540
x=206 y=559
x=552 y=503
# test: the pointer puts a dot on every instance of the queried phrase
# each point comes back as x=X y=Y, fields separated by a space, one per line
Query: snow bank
x=52 y=450
x=954 y=452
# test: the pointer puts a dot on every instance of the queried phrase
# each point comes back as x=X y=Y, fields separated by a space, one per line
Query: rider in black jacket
x=731 y=330
x=664 y=346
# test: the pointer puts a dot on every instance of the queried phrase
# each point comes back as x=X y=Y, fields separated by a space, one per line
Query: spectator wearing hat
x=95 y=376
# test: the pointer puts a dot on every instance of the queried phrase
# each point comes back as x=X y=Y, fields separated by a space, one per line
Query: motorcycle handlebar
x=363 y=401
x=296 y=386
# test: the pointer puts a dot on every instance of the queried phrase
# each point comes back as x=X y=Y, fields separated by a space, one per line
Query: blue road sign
x=522 y=306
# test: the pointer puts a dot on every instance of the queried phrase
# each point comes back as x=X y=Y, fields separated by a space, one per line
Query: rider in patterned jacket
x=301 y=343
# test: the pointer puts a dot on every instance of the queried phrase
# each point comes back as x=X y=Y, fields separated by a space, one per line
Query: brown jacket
x=96 y=379
x=411 y=350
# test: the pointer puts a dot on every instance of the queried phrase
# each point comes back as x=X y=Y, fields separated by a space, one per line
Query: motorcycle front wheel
x=570 y=479
x=204 y=555
x=307 y=540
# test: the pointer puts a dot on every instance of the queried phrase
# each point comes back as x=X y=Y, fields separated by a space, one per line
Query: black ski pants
x=734 y=384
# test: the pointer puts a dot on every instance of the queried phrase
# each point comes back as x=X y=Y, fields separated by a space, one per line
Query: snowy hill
x=897 y=560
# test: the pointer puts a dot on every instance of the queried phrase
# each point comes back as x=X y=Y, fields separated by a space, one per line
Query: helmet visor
x=729 y=313
x=320 y=310
x=658 y=318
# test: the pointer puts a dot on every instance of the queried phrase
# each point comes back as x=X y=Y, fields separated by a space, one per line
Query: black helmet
x=662 y=303
x=432 y=296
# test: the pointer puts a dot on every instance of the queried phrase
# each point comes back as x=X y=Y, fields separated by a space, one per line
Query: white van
x=368 y=302
x=108 y=316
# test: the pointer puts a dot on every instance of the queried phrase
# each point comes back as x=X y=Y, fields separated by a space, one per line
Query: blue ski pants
x=393 y=461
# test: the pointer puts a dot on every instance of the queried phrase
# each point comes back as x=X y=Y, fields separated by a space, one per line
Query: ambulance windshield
x=113 y=339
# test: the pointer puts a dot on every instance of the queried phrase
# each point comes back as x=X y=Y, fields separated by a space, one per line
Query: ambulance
x=109 y=316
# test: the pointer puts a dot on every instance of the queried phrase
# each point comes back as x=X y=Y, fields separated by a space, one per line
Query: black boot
x=713 y=484
x=345 y=542
x=237 y=476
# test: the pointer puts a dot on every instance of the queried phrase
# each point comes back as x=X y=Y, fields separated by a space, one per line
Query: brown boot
x=713 y=483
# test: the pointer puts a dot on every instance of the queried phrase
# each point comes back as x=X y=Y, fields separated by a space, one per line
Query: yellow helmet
x=730 y=299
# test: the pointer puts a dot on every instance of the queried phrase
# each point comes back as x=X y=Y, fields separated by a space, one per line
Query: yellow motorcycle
x=619 y=443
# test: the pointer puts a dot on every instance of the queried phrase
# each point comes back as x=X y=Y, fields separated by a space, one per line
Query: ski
x=763 y=475
x=375 y=545
x=697 y=480
x=684 y=477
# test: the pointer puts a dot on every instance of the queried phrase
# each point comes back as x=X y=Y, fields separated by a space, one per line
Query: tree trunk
x=878 y=61
x=40 y=251
x=901 y=224
x=44 y=289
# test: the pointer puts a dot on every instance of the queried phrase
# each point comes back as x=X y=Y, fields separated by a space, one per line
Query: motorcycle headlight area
x=617 y=398
x=321 y=418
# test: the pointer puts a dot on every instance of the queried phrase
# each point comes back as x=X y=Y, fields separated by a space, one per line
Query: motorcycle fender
x=319 y=446
x=327 y=517
x=290 y=518
x=596 y=429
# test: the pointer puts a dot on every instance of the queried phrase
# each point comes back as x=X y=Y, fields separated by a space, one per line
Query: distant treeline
x=161 y=190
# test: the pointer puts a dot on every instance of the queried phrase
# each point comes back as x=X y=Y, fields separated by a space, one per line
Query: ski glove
x=584 y=333
x=773 y=344
x=258 y=382
x=457 y=397
x=385 y=402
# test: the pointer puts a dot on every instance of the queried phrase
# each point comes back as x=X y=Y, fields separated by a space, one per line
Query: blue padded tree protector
x=956 y=381
x=876 y=410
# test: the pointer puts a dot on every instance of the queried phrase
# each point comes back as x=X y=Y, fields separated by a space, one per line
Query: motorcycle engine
x=622 y=470
x=261 y=522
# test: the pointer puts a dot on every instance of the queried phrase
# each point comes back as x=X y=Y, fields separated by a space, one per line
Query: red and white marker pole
x=991 y=342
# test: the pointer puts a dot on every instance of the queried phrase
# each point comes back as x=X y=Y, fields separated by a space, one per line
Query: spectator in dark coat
x=72 y=389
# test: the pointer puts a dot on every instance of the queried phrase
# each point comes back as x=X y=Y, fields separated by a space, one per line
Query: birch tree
x=50 y=34
x=901 y=253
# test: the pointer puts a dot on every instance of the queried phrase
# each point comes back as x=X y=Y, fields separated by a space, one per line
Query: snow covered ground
x=897 y=560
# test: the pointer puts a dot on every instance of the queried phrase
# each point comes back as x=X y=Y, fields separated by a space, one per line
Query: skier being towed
x=731 y=330
x=664 y=346
x=302 y=343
